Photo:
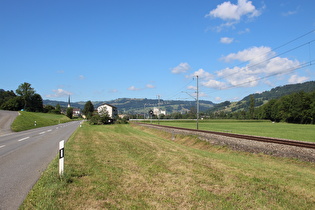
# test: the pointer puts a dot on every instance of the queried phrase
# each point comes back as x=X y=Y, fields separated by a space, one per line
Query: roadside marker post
x=61 y=157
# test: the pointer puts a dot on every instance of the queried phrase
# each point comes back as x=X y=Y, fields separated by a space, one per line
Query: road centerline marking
x=42 y=132
x=24 y=138
x=2 y=146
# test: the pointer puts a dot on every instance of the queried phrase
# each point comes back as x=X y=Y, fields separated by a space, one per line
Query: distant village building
x=69 y=105
x=112 y=110
x=157 y=111
x=76 y=112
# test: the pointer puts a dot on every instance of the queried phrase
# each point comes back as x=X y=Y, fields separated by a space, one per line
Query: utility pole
x=159 y=109
x=197 y=103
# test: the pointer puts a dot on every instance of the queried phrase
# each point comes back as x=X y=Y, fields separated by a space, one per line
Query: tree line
x=294 y=108
x=25 y=98
x=297 y=107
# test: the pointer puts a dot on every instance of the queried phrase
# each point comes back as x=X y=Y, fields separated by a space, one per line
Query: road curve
x=24 y=156
x=6 y=119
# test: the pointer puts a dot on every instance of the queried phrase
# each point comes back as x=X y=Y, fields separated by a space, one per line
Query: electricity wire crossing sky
x=104 y=50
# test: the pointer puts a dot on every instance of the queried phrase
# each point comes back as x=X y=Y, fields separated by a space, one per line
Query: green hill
x=261 y=98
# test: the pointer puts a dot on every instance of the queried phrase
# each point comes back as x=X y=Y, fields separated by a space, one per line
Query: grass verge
x=300 y=132
x=131 y=167
x=26 y=120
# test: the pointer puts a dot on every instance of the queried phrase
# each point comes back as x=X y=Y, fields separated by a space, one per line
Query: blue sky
x=101 y=50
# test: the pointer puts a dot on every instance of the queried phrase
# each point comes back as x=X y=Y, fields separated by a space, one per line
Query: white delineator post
x=61 y=156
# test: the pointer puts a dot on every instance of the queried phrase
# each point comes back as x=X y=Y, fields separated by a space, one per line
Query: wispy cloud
x=226 y=40
x=181 y=68
x=59 y=93
x=60 y=71
x=133 y=88
x=81 y=77
x=113 y=91
x=294 y=79
x=148 y=86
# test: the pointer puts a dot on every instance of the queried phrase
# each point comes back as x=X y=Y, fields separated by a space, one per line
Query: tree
x=88 y=109
x=58 y=109
x=252 y=107
x=105 y=118
x=26 y=92
x=36 y=103
x=13 y=104
x=69 y=112
x=5 y=96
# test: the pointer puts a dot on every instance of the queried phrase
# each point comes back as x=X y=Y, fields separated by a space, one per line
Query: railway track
x=303 y=144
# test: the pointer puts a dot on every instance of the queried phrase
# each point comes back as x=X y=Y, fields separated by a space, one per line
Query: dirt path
x=6 y=119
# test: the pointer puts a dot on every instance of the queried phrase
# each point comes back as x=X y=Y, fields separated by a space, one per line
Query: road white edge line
x=24 y=139
x=2 y=146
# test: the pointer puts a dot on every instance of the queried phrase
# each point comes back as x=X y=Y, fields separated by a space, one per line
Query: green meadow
x=134 y=167
x=26 y=120
x=301 y=132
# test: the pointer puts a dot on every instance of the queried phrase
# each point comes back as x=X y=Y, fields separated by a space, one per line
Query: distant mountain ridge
x=140 y=106
x=261 y=98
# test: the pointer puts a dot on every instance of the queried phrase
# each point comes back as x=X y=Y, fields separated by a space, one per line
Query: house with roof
x=111 y=110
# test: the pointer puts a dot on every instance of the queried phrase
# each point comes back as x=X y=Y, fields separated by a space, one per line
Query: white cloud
x=288 y=13
x=191 y=87
x=150 y=86
x=218 y=98
x=59 y=93
x=81 y=77
x=279 y=65
x=226 y=40
x=113 y=91
x=133 y=88
x=181 y=68
x=252 y=55
x=258 y=63
x=294 y=79
x=246 y=30
x=233 y=13
x=229 y=11
x=202 y=74
x=214 y=84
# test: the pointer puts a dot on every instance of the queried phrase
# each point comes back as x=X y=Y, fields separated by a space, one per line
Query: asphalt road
x=24 y=156
x=6 y=119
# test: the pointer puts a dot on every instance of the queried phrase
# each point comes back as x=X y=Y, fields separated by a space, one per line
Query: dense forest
x=294 y=108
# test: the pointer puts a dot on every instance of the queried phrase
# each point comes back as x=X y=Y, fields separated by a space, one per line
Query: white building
x=157 y=111
x=111 y=110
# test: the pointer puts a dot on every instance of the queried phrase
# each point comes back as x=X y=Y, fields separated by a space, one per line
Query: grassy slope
x=251 y=127
x=26 y=120
x=125 y=167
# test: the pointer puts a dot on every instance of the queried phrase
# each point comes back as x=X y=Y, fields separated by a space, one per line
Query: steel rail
x=304 y=144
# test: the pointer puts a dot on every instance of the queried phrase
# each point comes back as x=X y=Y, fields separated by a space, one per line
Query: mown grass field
x=251 y=127
x=26 y=120
x=132 y=167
